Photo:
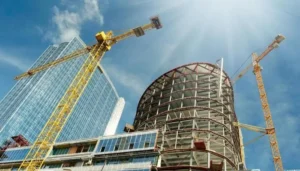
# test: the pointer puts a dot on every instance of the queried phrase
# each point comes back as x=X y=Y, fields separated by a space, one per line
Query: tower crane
x=47 y=137
x=270 y=130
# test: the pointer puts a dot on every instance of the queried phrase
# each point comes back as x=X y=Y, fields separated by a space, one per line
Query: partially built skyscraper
x=194 y=109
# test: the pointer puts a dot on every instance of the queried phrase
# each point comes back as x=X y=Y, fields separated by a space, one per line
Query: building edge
x=114 y=120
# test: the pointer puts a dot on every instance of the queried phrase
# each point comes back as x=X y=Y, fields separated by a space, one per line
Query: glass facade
x=70 y=150
x=152 y=159
x=137 y=166
x=127 y=142
x=72 y=154
x=28 y=105
x=60 y=151
x=13 y=155
x=144 y=166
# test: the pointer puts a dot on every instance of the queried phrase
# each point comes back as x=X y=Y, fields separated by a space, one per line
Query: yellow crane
x=270 y=130
x=47 y=137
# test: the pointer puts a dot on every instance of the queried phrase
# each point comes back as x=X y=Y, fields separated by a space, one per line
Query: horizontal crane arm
x=54 y=63
x=139 y=31
x=129 y=33
x=241 y=74
x=250 y=127
x=279 y=38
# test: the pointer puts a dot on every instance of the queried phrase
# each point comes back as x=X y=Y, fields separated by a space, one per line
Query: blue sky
x=194 y=31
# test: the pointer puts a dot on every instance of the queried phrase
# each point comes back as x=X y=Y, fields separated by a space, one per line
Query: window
x=92 y=147
x=85 y=148
x=116 y=147
x=102 y=149
x=146 y=145
x=58 y=165
x=101 y=162
x=60 y=151
x=79 y=149
x=69 y=164
x=131 y=146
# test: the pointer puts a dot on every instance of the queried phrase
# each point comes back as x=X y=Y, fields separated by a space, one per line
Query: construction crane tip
x=279 y=38
x=156 y=22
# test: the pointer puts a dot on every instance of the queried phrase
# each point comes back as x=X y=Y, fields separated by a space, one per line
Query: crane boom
x=73 y=55
x=279 y=38
x=250 y=127
x=50 y=132
x=139 y=31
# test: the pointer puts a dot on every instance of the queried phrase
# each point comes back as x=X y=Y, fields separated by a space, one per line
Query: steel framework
x=196 y=131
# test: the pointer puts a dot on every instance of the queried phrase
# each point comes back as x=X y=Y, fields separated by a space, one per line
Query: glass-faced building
x=135 y=151
x=28 y=105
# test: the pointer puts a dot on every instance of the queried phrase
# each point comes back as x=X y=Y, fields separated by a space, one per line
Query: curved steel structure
x=196 y=131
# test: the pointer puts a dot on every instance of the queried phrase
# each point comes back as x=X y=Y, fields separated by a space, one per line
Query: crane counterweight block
x=138 y=31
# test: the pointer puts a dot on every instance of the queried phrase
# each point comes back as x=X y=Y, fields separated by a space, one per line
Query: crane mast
x=270 y=129
x=267 y=115
x=50 y=132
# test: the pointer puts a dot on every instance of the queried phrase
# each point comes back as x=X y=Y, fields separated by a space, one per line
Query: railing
x=116 y=167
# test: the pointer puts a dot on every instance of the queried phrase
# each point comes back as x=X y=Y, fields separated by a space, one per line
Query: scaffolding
x=194 y=117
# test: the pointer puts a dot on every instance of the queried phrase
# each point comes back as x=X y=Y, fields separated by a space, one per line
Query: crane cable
x=254 y=139
x=241 y=66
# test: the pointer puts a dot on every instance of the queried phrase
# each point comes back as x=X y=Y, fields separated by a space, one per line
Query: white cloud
x=39 y=29
x=91 y=11
x=68 y=22
x=127 y=79
x=19 y=63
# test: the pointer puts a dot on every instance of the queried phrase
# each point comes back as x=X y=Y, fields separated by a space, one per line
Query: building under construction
x=183 y=122
x=193 y=107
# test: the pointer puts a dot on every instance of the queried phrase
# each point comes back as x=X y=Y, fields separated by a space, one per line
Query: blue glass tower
x=28 y=105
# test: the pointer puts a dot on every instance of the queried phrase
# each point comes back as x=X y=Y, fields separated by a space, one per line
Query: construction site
x=185 y=120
